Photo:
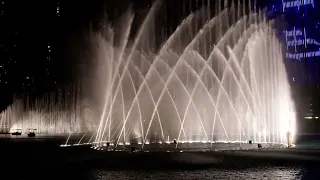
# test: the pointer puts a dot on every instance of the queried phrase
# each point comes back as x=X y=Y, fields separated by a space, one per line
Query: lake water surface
x=44 y=159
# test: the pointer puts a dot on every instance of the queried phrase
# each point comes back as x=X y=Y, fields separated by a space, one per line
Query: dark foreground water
x=43 y=159
x=210 y=173
x=271 y=172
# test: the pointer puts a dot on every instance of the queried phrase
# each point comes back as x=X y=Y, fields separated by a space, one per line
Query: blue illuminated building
x=300 y=31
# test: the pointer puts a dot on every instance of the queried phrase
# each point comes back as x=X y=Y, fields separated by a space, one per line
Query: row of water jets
x=54 y=113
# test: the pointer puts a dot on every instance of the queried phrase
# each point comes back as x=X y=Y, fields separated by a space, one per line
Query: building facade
x=299 y=29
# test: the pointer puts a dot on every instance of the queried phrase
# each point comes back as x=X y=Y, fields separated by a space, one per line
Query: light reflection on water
x=251 y=173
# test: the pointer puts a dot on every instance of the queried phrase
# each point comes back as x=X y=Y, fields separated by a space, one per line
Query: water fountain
x=216 y=79
x=55 y=113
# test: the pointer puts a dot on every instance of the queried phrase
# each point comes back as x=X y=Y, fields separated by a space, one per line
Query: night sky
x=38 y=42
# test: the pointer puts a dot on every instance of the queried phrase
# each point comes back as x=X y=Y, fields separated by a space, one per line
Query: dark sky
x=28 y=28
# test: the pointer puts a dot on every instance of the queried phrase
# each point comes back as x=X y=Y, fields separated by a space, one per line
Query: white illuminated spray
x=187 y=92
x=54 y=113
x=82 y=138
x=68 y=139
x=91 y=138
x=231 y=92
x=240 y=66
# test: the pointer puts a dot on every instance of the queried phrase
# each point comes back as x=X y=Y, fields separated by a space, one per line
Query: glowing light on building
x=296 y=38
x=311 y=117
x=296 y=3
x=300 y=56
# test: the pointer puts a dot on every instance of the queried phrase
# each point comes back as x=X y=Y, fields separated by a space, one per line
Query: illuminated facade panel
x=301 y=38
x=296 y=3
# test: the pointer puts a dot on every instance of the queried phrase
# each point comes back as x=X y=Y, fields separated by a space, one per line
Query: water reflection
x=250 y=173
